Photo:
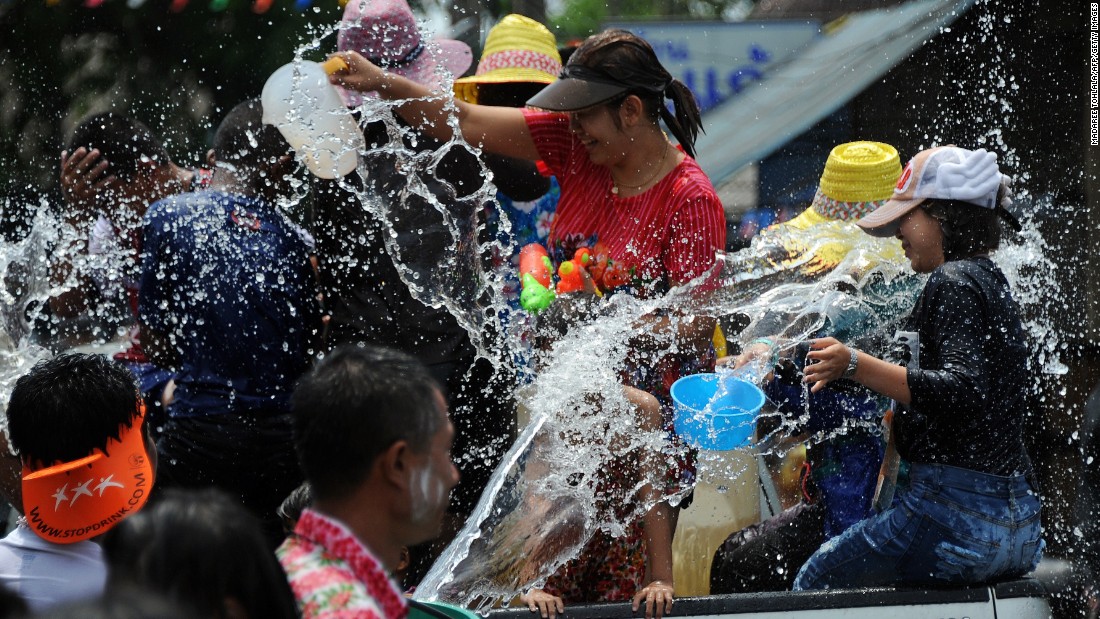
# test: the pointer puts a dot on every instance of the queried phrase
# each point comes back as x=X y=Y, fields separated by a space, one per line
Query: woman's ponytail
x=687 y=121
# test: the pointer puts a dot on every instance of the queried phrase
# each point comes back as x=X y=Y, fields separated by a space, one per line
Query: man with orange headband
x=77 y=424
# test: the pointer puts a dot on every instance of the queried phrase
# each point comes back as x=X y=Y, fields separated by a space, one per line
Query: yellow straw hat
x=518 y=49
x=858 y=177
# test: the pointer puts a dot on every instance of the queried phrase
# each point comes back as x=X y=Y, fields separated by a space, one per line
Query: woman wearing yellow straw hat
x=520 y=58
x=519 y=53
x=838 y=483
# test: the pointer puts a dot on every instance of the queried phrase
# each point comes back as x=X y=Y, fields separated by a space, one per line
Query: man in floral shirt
x=374 y=439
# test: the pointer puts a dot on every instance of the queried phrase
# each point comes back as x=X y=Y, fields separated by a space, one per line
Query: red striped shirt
x=669 y=233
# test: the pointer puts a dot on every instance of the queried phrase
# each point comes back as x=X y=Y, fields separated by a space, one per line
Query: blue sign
x=718 y=60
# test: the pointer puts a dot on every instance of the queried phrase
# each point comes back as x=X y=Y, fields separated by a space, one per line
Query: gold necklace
x=616 y=184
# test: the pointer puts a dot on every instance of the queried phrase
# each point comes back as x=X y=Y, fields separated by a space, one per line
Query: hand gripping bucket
x=715 y=413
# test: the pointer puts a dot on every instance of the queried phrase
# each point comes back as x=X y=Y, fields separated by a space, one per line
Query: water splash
x=587 y=462
x=25 y=289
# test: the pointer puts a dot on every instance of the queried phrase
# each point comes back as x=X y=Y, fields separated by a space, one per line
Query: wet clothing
x=767 y=555
x=368 y=302
x=119 y=271
x=969 y=399
x=663 y=237
x=970 y=513
x=364 y=293
x=229 y=278
x=617 y=575
x=668 y=234
x=950 y=526
x=251 y=457
x=45 y=574
x=333 y=575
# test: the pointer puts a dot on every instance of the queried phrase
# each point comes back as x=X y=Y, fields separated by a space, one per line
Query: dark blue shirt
x=228 y=278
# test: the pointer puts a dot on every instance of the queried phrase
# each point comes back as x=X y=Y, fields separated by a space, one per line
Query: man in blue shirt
x=229 y=299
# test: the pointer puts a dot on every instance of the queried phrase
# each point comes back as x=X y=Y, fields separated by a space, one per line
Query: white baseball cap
x=941 y=173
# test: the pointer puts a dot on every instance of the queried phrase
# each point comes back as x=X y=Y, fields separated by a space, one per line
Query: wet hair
x=123 y=141
x=120 y=603
x=355 y=404
x=68 y=406
x=628 y=59
x=243 y=139
x=968 y=229
x=199 y=548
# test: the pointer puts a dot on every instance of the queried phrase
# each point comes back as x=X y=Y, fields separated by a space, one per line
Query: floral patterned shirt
x=334 y=576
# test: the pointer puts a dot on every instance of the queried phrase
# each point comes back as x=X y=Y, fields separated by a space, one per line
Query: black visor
x=577 y=89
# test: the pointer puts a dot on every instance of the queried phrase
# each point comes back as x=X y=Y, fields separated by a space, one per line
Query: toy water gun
x=535 y=271
x=606 y=273
x=536 y=274
x=570 y=276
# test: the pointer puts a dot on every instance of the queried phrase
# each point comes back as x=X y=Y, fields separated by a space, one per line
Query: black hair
x=123 y=141
x=968 y=229
x=290 y=510
x=566 y=51
x=120 y=603
x=243 y=139
x=12 y=605
x=68 y=406
x=199 y=548
x=355 y=404
x=628 y=59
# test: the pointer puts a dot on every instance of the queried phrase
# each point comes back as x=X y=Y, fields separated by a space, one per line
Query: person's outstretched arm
x=828 y=359
x=500 y=130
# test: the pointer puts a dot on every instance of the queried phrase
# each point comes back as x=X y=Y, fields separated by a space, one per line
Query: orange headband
x=73 y=501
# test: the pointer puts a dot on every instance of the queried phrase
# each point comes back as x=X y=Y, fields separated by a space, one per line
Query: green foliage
x=580 y=18
x=177 y=72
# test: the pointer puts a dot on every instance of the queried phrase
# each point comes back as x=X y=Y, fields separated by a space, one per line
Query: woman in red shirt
x=622 y=180
x=624 y=185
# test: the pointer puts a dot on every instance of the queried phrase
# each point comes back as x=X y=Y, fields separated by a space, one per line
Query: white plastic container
x=300 y=101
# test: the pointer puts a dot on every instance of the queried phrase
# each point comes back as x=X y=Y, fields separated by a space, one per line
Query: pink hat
x=386 y=33
x=941 y=173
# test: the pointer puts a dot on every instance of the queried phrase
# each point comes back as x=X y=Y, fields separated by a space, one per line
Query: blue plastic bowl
x=729 y=422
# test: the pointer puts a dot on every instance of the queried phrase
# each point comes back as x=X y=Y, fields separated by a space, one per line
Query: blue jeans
x=952 y=526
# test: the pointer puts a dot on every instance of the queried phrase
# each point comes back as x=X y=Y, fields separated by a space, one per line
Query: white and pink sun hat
x=386 y=33
x=944 y=173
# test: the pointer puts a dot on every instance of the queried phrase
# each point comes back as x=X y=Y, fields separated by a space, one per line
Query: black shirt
x=367 y=300
x=969 y=382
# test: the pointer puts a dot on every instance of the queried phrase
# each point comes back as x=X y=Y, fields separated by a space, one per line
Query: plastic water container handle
x=334 y=64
